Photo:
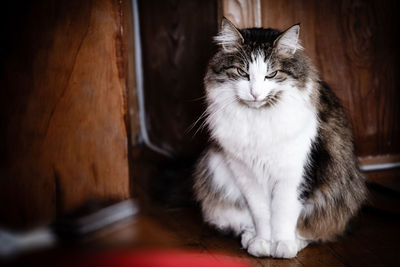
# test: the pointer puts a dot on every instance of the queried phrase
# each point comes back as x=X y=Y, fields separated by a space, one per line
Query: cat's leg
x=285 y=211
x=246 y=236
x=227 y=217
x=256 y=195
x=222 y=203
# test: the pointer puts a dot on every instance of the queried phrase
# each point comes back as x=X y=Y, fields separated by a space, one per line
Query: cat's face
x=256 y=66
x=257 y=81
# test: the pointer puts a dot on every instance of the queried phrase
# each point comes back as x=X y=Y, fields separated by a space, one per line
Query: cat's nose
x=254 y=95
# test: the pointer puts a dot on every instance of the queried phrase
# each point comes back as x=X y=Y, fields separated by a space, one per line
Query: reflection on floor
x=374 y=240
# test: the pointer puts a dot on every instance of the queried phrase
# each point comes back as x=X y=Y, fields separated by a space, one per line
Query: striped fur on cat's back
x=281 y=171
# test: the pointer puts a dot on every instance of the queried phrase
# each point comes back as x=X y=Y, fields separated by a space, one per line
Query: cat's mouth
x=269 y=101
x=254 y=104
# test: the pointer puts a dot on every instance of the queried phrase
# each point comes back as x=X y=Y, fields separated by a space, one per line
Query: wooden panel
x=243 y=13
x=63 y=108
x=355 y=46
x=177 y=44
x=381 y=159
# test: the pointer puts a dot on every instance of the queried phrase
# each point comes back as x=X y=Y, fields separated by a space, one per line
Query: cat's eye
x=271 y=75
x=242 y=73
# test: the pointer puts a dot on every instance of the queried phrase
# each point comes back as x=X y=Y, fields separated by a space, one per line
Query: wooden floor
x=373 y=241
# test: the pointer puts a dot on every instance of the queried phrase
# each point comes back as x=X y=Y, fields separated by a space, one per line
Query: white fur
x=229 y=37
x=289 y=41
x=264 y=151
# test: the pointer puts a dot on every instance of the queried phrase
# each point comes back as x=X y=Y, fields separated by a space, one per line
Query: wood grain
x=370 y=241
x=380 y=159
x=355 y=46
x=63 y=108
x=373 y=242
x=177 y=44
x=243 y=13
x=352 y=43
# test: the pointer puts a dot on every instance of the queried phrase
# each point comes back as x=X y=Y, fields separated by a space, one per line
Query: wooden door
x=354 y=45
x=63 y=107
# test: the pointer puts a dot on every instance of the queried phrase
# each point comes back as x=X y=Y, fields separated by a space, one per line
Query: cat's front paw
x=285 y=249
x=259 y=247
x=246 y=236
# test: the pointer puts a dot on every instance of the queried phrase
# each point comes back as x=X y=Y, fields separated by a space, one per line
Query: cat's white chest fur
x=264 y=154
x=268 y=140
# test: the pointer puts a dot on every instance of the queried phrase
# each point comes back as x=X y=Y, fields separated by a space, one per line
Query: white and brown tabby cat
x=281 y=172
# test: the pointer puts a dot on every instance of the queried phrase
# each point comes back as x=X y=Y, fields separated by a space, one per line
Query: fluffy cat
x=280 y=172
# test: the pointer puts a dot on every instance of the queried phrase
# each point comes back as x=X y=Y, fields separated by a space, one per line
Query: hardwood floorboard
x=371 y=241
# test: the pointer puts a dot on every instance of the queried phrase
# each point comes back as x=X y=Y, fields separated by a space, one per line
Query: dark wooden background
x=177 y=43
x=66 y=69
x=63 y=106
x=355 y=45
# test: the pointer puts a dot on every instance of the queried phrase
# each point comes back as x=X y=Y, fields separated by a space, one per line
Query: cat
x=280 y=170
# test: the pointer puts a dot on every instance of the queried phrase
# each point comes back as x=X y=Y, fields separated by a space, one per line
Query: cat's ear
x=288 y=42
x=229 y=36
